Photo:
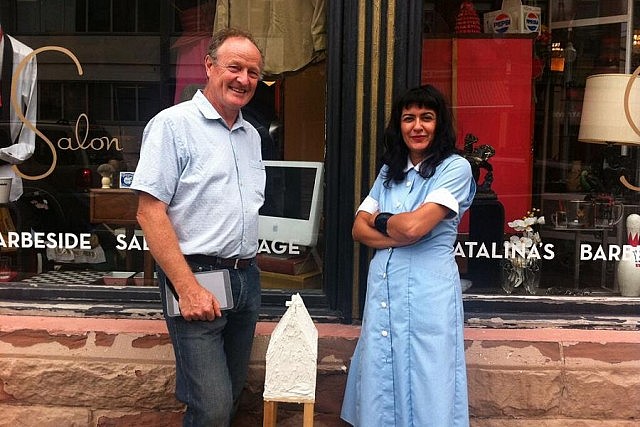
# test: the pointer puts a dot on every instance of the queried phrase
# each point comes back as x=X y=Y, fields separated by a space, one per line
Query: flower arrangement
x=522 y=246
x=522 y=253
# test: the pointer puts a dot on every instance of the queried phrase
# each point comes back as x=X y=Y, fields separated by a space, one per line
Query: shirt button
x=384 y=275
x=383 y=304
x=384 y=333
x=408 y=184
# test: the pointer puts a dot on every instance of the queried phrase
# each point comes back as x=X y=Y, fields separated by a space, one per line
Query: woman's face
x=418 y=127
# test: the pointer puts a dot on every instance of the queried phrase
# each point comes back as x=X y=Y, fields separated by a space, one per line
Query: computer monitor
x=293 y=202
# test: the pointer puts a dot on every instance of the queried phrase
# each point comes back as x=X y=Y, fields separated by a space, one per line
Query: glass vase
x=518 y=272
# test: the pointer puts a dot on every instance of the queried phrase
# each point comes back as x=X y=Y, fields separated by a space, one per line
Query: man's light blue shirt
x=211 y=178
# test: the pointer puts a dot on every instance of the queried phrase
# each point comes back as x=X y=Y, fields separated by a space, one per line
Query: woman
x=408 y=368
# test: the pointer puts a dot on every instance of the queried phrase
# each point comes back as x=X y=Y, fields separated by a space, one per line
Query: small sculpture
x=106 y=172
x=479 y=159
x=291 y=363
x=292 y=355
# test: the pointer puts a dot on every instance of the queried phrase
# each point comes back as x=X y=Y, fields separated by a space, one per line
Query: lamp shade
x=603 y=118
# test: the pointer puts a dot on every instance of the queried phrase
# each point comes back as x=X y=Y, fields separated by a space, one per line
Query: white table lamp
x=610 y=108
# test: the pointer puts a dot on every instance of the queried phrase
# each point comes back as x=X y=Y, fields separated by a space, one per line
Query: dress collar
x=411 y=166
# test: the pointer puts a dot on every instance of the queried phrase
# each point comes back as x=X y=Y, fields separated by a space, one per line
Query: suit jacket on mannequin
x=291 y=34
x=22 y=138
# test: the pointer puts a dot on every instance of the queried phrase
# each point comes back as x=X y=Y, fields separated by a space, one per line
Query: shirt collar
x=209 y=112
x=411 y=166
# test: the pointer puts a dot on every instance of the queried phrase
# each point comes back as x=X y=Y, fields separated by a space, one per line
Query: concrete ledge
x=85 y=324
x=119 y=372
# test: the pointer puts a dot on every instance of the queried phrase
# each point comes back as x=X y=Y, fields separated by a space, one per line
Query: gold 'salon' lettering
x=18 y=108
x=98 y=143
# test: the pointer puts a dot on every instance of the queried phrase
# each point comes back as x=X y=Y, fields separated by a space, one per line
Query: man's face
x=233 y=75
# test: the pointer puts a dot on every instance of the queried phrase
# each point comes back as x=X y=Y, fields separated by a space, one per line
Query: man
x=201 y=183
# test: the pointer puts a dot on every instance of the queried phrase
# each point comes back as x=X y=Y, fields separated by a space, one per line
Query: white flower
x=521 y=241
x=526 y=224
x=518 y=225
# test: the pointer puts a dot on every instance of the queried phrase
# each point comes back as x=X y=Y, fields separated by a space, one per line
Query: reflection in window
x=95 y=123
x=98 y=16
x=575 y=184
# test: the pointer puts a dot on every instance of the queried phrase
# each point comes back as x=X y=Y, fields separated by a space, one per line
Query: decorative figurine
x=479 y=159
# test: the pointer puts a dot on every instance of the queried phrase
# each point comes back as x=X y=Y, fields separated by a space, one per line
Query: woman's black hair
x=444 y=142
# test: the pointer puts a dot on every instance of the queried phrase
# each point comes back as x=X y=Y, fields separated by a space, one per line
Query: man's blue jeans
x=212 y=358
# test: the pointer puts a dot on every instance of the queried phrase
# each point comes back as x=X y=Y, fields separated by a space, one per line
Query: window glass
x=99 y=15
x=74 y=100
x=49 y=96
x=148 y=15
x=81 y=15
x=550 y=215
x=123 y=19
x=568 y=10
x=75 y=221
x=99 y=105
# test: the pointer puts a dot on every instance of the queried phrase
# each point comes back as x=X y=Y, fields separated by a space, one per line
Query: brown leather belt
x=214 y=261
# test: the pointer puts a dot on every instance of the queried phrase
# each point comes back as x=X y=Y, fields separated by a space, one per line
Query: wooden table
x=118 y=206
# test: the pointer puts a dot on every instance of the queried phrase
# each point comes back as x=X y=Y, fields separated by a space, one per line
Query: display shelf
x=311 y=280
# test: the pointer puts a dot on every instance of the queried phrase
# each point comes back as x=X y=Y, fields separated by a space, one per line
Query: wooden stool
x=271 y=412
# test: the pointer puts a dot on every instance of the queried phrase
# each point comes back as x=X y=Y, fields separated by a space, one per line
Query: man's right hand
x=197 y=303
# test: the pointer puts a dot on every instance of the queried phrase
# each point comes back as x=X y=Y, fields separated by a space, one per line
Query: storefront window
x=516 y=78
x=104 y=68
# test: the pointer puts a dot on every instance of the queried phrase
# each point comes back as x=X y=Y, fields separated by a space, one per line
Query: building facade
x=89 y=74
x=331 y=74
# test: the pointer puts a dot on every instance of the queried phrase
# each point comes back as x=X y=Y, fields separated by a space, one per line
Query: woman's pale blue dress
x=408 y=368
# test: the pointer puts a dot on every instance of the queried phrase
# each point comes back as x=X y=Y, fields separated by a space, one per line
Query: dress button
x=384 y=333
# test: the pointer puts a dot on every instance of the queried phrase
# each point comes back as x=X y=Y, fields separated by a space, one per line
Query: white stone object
x=629 y=266
x=292 y=356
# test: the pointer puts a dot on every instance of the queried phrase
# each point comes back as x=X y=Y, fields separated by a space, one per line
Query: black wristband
x=380 y=222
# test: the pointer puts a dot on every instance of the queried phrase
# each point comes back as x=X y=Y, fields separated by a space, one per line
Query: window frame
x=127 y=301
x=334 y=302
